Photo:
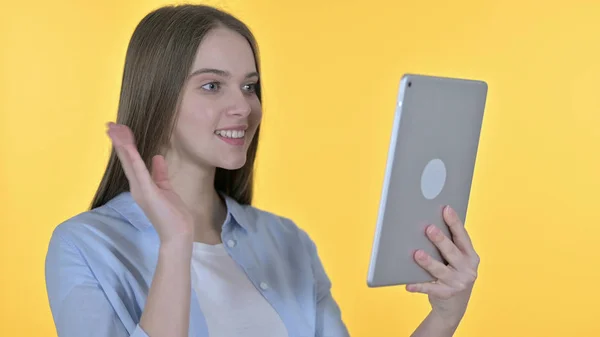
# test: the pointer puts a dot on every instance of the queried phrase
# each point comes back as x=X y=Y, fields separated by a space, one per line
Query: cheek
x=195 y=119
x=192 y=134
x=256 y=115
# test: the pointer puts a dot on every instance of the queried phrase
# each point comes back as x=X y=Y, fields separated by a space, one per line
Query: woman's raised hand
x=152 y=191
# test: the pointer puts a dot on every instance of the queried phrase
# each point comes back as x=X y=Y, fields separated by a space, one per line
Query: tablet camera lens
x=409 y=84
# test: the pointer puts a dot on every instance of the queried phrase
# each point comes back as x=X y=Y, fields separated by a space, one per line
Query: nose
x=239 y=105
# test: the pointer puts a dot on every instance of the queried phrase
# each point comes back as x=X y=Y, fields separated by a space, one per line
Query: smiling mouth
x=232 y=134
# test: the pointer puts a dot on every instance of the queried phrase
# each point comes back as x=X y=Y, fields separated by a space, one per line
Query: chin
x=233 y=163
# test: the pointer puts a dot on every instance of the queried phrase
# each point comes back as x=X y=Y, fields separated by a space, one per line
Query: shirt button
x=231 y=243
x=264 y=286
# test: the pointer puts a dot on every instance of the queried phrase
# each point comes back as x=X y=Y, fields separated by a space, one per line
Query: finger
x=459 y=233
x=435 y=289
x=437 y=269
x=117 y=142
x=159 y=172
x=449 y=251
x=133 y=165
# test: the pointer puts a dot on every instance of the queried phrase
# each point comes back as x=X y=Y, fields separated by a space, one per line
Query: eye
x=250 y=87
x=212 y=86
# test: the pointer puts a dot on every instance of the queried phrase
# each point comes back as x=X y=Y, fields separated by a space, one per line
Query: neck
x=195 y=186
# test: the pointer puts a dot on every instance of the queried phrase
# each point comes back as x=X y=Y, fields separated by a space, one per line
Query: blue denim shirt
x=100 y=264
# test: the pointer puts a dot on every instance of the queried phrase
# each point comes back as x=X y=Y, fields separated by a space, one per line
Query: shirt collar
x=238 y=212
x=125 y=205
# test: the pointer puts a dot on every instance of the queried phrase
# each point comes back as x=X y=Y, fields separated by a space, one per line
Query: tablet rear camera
x=409 y=84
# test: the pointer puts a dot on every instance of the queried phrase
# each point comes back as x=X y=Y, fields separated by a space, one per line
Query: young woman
x=171 y=245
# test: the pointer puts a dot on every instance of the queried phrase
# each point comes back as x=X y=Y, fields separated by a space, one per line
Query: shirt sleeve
x=329 y=316
x=78 y=304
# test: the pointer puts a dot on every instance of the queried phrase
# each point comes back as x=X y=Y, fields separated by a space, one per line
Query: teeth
x=231 y=133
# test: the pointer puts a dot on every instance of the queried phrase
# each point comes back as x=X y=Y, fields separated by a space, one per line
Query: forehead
x=225 y=49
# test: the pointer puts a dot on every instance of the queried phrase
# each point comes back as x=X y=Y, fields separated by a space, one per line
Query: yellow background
x=335 y=66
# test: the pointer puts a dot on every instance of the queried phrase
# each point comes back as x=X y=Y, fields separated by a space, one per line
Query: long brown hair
x=158 y=60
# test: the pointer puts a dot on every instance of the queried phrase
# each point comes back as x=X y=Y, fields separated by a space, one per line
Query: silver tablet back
x=430 y=164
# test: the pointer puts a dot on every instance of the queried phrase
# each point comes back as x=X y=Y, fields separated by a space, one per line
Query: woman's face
x=219 y=111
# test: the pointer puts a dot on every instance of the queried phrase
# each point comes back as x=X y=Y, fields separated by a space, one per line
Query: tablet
x=430 y=164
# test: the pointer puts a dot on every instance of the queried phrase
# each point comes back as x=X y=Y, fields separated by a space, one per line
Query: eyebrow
x=219 y=72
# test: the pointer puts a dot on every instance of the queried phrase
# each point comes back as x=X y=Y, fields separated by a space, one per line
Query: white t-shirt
x=230 y=303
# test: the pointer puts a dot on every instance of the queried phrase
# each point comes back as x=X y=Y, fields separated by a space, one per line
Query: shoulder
x=101 y=246
x=100 y=257
x=259 y=219
x=283 y=229
x=101 y=239
x=92 y=226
